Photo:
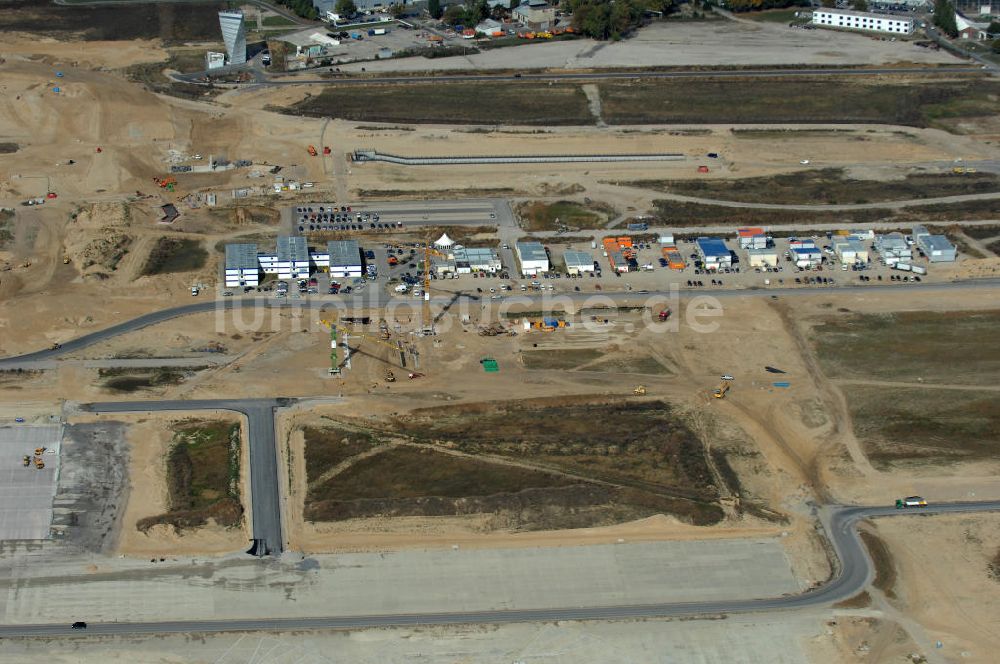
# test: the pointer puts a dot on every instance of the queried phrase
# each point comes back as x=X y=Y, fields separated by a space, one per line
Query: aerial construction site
x=332 y=363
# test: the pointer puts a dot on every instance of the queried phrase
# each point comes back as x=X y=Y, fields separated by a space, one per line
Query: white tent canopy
x=444 y=241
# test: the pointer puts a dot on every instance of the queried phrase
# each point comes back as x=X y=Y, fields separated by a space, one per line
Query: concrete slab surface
x=26 y=493
x=751 y=639
x=398 y=582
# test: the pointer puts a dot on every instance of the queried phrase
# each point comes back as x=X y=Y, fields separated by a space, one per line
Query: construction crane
x=334 y=362
x=426 y=322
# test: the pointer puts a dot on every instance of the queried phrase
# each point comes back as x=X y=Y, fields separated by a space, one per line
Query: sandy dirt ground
x=149 y=438
x=945 y=584
x=688 y=43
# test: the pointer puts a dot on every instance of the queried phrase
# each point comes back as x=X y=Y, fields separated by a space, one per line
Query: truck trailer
x=910 y=501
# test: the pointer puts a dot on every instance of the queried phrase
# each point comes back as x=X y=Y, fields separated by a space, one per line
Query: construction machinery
x=639 y=390
x=312 y=150
x=334 y=362
x=664 y=314
x=414 y=374
x=383 y=328
x=26 y=461
x=722 y=389
x=39 y=464
x=910 y=501
x=39 y=451
x=326 y=149
x=426 y=322
x=389 y=376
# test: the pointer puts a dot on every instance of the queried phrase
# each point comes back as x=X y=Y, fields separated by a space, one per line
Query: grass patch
x=859 y=601
x=9 y=148
x=468 y=103
x=171 y=255
x=561 y=358
x=993 y=567
x=329 y=446
x=994 y=247
x=901 y=426
x=276 y=22
x=150 y=74
x=123 y=379
x=562 y=215
x=203 y=476
x=885 y=567
x=958 y=347
x=861 y=99
x=540 y=464
x=981 y=232
x=642 y=444
x=698 y=214
x=827 y=186
x=173 y=22
x=6 y=228
x=776 y=16
x=483 y=192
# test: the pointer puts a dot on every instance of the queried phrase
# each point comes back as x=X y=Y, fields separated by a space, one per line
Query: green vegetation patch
x=956 y=347
x=826 y=99
x=6 y=228
x=9 y=148
x=703 y=214
x=468 y=103
x=328 y=447
x=885 y=566
x=559 y=358
x=562 y=215
x=637 y=443
x=203 y=476
x=907 y=426
x=135 y=379
x=171 y=255
x=275 y=21
x=169 y=21
x=829 y=185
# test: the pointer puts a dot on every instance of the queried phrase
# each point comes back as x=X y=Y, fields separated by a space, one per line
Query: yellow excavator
x=722 y=389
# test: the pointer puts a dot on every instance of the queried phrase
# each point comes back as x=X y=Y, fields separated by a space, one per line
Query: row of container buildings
x=292 y=259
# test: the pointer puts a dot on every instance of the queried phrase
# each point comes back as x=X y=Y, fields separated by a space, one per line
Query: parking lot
x=356 y=42
x=26 y=491
x=389 y=216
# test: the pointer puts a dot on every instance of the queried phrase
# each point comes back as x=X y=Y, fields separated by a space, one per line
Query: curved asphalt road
x=855 y=571
x=374 y=299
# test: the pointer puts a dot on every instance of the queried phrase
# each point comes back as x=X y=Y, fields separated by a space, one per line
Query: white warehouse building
x=242 y=267
x=475 y=259
x=532 y=257
x=291 y=261
x=344 y=258
x=578 y=262
x=851 y=251
x=937 y=247
x=866 y=21
x=763 y=257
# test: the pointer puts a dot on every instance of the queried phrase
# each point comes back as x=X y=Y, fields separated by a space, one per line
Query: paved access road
x=375 y=298
x=265 y=490
x=855 y=571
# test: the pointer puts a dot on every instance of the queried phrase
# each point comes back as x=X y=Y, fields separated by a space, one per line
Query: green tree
x=944 y=17
x=995 y=46
x=860 y=5
x=346 y=8
x=454 y=15
x=994 y=29
x=434 y=8
x=397 y=11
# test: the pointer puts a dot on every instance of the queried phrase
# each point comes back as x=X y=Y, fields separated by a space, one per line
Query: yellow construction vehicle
x=958 y=170
x=39 y=451
x=39 y=464
x=27 y=460
x=721 y=390
x=639 y=390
